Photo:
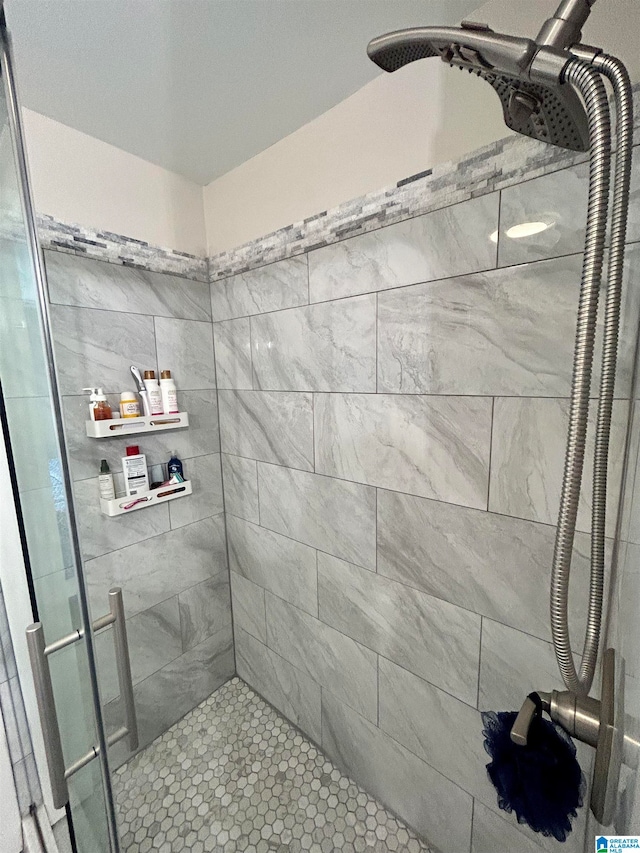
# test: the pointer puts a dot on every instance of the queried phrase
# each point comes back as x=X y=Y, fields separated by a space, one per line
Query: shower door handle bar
x=39 y=657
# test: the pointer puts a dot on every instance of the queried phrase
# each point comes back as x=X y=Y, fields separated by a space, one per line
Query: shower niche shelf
x=114 y=427
x=130 y=503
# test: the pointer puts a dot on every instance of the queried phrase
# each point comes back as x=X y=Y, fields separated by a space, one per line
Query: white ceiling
x=200 y=86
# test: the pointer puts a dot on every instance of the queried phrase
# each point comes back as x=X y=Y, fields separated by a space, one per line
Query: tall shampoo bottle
x=169 y=394
x=153 y=392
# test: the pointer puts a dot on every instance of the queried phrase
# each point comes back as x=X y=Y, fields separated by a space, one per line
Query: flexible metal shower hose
x=586 y=80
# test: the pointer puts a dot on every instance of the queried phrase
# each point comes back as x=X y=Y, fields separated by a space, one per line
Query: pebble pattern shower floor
x=234 y=775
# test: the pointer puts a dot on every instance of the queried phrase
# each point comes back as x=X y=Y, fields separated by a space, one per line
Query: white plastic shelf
x=130 y=503
x=115 y=427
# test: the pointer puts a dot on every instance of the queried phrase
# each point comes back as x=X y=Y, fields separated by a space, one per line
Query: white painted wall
x=79 y=179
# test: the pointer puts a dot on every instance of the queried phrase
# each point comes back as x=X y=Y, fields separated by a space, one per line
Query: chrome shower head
x=536 y=105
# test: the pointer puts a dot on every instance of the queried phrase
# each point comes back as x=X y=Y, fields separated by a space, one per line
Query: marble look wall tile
x=14 y=720
x=328 y=347
x=100 y=534
x=490 y=564
x=527 y=459
x=232 y=339
x=559 y=200
x=270 y=288
x=482 y=334
x=205 y=475
x=168 y=694
x=342 y=666
x=283 y=566
x=430 y=637
x=185 y=347
x=25 y=774
x=437 y=447
x=289 y=689
x=249 y=614
x=333 y=515
x=7 y=657
x=200 y=439
x=88 y=283
x=98 y=347
x=205 y=609
x=271 y=426
x=451 y=241
x=240 y=478
x=435 y=807
x=154 y=641
x=491 y=833
x=147 y=571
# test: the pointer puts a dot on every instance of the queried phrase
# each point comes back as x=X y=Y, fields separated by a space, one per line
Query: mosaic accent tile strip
x=235 y=775
x=116 y=249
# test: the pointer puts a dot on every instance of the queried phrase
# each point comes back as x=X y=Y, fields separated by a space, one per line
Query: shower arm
x=564 y=29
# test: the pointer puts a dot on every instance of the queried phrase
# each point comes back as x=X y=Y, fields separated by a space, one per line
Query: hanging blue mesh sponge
x=541 y=782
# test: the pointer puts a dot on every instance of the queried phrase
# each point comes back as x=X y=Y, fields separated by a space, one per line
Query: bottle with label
x=153 y=392
x=105 y=482
x=134 y=468
x=174 y=466
x=169 y=394
x=99 y=409
x=129 y=405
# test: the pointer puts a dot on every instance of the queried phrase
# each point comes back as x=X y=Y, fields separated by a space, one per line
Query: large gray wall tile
x=98 y=348
x=185 y=347
x=283 y=566
x=205 y=609
x=205 y=475
x=437 y=447
x=434 y=806
x=249 y=609
x=527 y=459
x=447 y=242
x=269 y=426
x=88 y=283
x=328 y=514
x=487 y=333
x=487 y=563
x=430 y=637
x=240 y=478
x=232 y=340
x=342 y=666
x=280 y=285
x=289 y=689
x=329 y=347
x=492 y=833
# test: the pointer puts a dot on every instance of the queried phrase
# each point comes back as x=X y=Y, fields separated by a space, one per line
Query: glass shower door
x=31 y=423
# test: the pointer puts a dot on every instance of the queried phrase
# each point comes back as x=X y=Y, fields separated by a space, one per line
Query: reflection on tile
x=16 y=728
x=333 y=515
x=487 y=563
x=7 y=657
x=232 y=341
x=430 y=637
x=201 y=438
x=205 y=475
x=335 y=661
x=432 y=446
x=151 y=571
x=329 y=347
x=46 y=525
x=280 y=285
x=248 y=608
x=269 y=426
x=154 y=641
x=100 y=534
x=289 y=689
x=22 y=360
x=185 y=347
x=33 y=442
x=426 y=800
x=557 y=200
x=205 y=609
x=88 y=283
x=240 y=486
x=527 y=459
x=451 y=241
x=283 y=566
x=487 y=333
x=98 y=347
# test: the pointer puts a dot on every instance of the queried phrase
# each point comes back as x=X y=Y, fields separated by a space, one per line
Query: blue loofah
x=541 y=782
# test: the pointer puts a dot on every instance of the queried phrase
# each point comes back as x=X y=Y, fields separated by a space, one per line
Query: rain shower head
x=536 y=103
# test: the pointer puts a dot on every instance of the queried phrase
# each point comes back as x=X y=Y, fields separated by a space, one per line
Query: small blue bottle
x=174 y=466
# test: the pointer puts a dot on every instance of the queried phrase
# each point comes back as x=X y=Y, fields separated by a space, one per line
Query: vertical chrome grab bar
x=47 y=713
x=38 y=655
x=123 y=663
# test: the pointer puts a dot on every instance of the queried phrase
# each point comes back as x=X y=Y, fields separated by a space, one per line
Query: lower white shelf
x=130 y=503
